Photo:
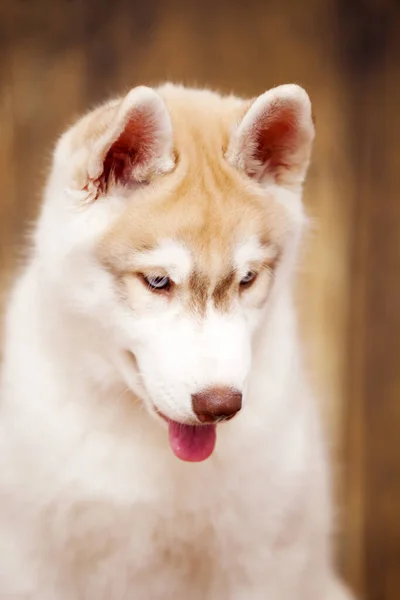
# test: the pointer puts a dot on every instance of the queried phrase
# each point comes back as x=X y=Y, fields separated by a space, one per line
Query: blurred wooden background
x=58 y=57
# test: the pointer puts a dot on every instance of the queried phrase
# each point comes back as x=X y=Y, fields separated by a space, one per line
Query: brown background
x=58 y=57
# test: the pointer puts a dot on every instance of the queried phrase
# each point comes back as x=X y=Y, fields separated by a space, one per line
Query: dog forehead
x=206 y=236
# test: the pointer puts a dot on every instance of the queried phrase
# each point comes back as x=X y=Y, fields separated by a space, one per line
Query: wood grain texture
x=59 y=57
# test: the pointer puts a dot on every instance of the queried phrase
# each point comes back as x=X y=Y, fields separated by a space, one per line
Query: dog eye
x=248 y=279
x=158 y=282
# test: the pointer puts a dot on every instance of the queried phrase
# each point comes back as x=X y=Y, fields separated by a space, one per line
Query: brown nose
x=216 y=404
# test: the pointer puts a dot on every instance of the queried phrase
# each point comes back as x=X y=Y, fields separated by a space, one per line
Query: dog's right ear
x=123 y=143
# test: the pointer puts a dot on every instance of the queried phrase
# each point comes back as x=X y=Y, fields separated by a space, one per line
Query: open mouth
x=191 y=443
x=195 y=442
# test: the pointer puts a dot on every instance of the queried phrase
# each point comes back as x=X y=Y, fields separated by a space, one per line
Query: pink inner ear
x=276 y=136
x=134 y=148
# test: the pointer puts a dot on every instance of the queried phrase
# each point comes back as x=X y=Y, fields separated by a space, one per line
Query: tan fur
x=209 y=208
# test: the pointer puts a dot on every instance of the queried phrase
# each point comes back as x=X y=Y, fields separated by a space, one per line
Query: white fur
x=250 y=250
x=170 y=256
x=94 y=505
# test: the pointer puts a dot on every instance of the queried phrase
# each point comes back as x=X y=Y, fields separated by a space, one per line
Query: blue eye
x=158 y=282
x=248 y=278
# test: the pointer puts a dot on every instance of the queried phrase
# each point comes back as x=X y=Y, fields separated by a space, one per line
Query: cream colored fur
x=93 y=503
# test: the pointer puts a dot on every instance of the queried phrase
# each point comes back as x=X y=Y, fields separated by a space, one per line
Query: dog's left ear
x=273 y=141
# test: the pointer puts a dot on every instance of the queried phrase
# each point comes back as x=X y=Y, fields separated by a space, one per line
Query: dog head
x=170 y=214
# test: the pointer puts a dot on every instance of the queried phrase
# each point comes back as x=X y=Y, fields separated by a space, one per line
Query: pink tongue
x=192 y=443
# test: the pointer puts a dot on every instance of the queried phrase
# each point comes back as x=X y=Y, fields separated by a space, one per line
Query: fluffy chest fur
x=110 y=498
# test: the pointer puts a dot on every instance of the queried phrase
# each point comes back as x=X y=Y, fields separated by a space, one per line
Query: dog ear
x=272 y=143
x=122 y=143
